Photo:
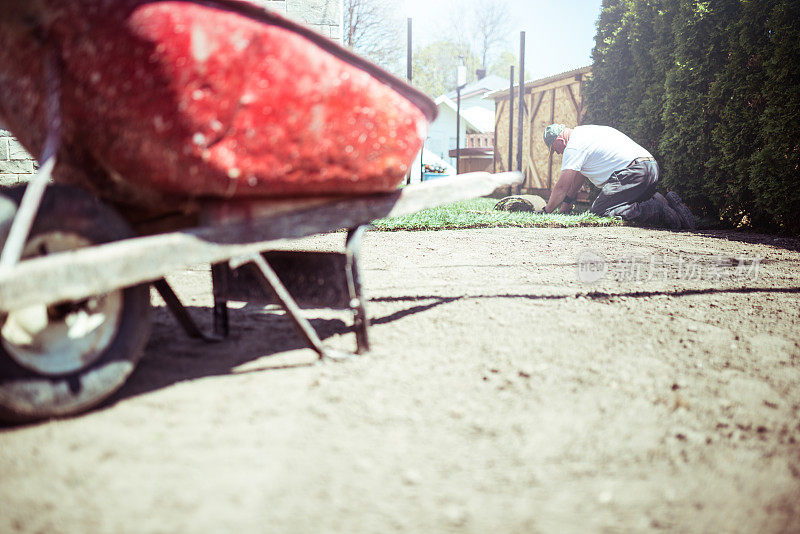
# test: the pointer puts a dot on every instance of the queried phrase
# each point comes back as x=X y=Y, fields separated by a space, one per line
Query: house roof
x=481 y=118
x=497 y=95
x=476 y=118
x=486 y=84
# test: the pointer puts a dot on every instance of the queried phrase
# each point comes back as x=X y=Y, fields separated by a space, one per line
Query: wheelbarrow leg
x=270 y=282
x=181 y=314
x=220 y=311
x=221 y=325
x=357 y=305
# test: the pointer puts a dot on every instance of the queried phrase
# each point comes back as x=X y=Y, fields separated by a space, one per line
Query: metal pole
x=458 y=129
x=511 y=123
x=409 y=52
x=421 y=165
x=521 y=100
x=409 y=63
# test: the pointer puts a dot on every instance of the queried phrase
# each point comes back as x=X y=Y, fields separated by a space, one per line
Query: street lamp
x=461 y=81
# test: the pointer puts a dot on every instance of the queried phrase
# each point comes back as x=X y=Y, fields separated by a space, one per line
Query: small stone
x=605 y=497
x=411 y=477
x=364 y=465
x=321 y=411
x=455 y=514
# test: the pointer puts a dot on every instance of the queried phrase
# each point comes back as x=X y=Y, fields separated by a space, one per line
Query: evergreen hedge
x=712 y=89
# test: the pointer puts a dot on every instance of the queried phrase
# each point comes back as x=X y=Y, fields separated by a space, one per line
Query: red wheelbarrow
x=178 y=134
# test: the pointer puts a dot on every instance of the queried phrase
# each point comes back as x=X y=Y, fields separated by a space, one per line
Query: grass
x=480 y=213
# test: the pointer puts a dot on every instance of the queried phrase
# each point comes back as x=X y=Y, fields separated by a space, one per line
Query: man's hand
x=568 y=182
x=565 y=207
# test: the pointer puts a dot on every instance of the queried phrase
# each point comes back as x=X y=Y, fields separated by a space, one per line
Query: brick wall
x=324 y=16
x=16 y=165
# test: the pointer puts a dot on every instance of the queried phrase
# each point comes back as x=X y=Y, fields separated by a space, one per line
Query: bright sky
x=559 y=35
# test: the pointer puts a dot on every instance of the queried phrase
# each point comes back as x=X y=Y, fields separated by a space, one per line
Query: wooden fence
x=557 y=98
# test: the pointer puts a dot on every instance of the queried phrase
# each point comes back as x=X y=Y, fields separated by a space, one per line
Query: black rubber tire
x=26 y=395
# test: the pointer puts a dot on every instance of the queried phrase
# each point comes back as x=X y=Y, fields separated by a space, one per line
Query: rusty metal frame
x=272 y=288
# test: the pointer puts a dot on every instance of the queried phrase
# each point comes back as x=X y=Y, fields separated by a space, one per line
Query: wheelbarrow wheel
x=62 y=359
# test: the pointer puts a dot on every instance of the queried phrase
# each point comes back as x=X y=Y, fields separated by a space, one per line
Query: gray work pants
x=621 y=195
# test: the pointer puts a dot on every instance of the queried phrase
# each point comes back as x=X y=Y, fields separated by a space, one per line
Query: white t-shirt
x=598 y=151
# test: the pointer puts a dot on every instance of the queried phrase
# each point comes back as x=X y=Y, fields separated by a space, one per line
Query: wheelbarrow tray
x=230 y=230
x=164 y=102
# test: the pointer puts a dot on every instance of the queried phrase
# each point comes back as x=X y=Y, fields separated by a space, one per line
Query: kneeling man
x=626 y=174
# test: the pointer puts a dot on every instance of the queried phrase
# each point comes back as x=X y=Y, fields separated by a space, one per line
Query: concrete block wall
x=324 y=16
x=16 y=165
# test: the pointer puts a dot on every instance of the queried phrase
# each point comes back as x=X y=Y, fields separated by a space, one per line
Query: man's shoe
x=669 y=217
x=656 y=213
x=675 y=202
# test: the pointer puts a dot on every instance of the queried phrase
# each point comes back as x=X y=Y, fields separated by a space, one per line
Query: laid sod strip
x=479 y=213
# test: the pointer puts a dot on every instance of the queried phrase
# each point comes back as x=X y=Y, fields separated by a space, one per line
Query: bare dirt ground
x=504 y=393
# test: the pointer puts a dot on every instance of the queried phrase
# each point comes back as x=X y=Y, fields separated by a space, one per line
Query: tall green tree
x=632 y=47
x=775 y=171
x=686 y=143
x=651 y=44
x=607 y=90
x=712 y=88
x=736 y=98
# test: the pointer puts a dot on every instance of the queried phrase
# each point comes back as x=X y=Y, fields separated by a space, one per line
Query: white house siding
x=442 y=133
x=324 y=16
x=477 y=116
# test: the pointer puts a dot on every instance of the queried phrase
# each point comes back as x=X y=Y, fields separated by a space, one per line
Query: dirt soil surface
x=507 y=391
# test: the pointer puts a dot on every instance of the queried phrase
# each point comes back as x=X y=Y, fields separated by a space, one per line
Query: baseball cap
x=551 y=132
